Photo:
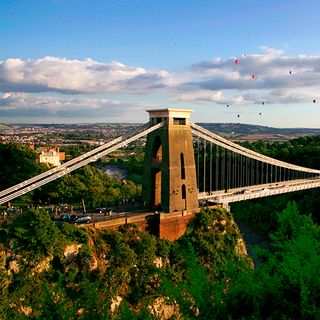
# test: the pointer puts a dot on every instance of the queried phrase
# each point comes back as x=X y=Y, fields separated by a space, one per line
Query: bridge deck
x=259 y=191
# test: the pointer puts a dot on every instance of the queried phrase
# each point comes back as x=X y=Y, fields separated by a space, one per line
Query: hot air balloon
x=314 y=100
x=290 y=72
x=253 y=76
x=263 y=103
x=236 y=61
x=227 y=106
x=260 y=113
x=238 y=115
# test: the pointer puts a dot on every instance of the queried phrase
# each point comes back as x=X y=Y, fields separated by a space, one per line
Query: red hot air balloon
x=253 y=76
x=236 y=61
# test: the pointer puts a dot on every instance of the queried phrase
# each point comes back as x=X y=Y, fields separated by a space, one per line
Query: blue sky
x=107 y=61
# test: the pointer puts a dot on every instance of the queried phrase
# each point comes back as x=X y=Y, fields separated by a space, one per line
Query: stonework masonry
x=169 y=183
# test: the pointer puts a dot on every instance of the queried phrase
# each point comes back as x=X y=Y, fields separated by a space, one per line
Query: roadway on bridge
x=259 y=191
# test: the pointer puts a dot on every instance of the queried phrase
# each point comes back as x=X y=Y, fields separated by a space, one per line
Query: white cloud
x=75 y=76
x=14 y=104
x=298 y=78
x=269 y=77
x=201 y=96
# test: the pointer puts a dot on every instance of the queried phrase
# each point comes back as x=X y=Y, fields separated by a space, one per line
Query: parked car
x=75 y=219
x=65 y=218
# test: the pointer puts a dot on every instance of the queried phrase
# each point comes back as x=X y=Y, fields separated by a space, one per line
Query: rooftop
x=170 y=113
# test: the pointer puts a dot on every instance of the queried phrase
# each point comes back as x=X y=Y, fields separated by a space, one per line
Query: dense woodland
x=88 y=183
x=304 y=151
x=50 y=271
x=251 y=129
x=58 y=271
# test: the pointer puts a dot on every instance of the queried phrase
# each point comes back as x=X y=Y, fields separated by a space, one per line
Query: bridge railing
x=234 y=196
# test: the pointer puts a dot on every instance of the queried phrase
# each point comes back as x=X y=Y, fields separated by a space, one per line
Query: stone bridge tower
x=170 y=183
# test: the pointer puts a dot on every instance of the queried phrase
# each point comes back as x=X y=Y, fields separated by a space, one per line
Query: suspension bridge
x=233 y=173
x=185 y=164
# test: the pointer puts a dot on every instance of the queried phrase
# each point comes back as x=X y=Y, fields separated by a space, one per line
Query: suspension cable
x=210 y=167
x=78 y=165
x=204 y=164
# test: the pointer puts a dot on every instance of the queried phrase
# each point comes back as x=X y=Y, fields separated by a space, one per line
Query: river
x=113 y=170
x=252 y=239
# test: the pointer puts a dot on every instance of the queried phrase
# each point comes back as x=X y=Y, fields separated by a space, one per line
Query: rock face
x=115 y=303
x=158 y=262
x=43 y=265
x=71 y=251
x=163 y=310
x=26 y=310
x=13 y=267
x=241 y=247
x=161 y=262
x=93 y=263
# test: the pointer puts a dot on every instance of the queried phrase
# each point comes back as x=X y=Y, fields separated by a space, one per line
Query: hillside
x=255 y=129
x=233 y=131
x=4 y=127
x=249 y=132
x=50 y=271
x=235 y=128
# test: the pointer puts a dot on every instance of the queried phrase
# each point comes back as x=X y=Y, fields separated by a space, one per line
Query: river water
x=114 y=170
x=253 y=239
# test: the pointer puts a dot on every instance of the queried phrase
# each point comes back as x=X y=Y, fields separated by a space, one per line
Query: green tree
x=21 y=165
x=35 y=234
x=4 y=296
x=287 y=285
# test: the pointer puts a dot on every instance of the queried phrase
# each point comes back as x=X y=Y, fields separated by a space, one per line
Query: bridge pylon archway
x=170 y=183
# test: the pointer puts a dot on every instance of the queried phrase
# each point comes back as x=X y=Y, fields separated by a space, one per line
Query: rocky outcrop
x=93 y=263
x=115 y=303
x=44 y=265
x=241 y=248
x=71 y=251
x=13 y=267
x=26 y=310
x=163 y=309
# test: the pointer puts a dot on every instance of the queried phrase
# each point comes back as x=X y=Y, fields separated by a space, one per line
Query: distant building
x=50 y=155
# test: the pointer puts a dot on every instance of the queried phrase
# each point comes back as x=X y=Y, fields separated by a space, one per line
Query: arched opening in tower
x=184 y=195
x=156 y=172
x=157 y=150
x=183 y=169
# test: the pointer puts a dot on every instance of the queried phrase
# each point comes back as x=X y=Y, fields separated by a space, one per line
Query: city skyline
x=97 y=61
